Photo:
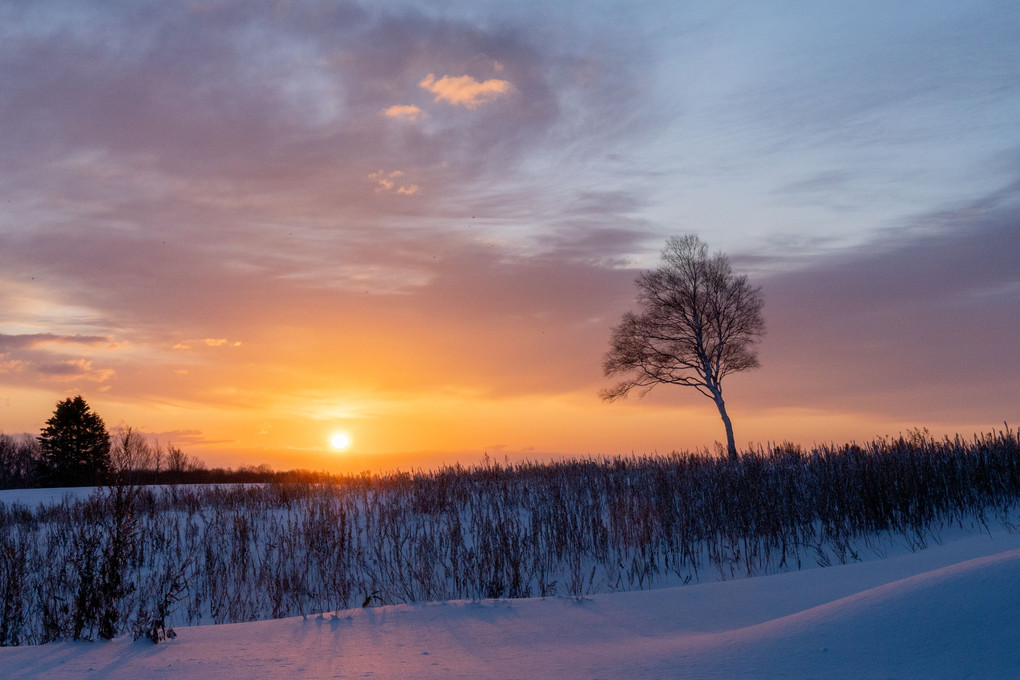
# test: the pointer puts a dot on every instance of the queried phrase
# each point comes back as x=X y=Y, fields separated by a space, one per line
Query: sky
x=244 y=226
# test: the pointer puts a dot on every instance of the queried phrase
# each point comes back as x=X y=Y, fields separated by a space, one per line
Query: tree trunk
x=731 y=447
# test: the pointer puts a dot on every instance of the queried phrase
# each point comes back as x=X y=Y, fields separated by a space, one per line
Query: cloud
x=464 y=90
x=75 y=369
x=924 y=313
x=219 y=342
x=30 y=356
x=189 y=150
x=388 y=181
x=405 y=111
x=37 y=339
x=197 y=105
x=208 y=342
x=187 y=436
x=8 y=365
x=385 y=180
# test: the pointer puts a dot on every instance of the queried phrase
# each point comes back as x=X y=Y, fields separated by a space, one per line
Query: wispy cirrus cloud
x=920 y=311
x=38 y=339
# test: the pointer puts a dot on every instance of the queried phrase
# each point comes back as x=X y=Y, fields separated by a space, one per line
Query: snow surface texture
x=946 y=612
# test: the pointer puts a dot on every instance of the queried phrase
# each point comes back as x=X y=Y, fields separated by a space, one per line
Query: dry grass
x=138 y=560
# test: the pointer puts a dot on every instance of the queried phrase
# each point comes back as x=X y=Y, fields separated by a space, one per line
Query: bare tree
x=130 y=455
x=698 y=323
x=178 y=462
x=19 y=461
x=176 y=459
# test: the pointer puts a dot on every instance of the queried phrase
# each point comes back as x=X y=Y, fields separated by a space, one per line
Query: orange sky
x=242 y=233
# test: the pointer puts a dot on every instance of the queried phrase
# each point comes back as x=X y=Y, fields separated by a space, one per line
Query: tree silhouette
x=698 y=323
x=75 y=446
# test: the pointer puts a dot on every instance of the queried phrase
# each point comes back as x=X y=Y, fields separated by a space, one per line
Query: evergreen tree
x=75 y=446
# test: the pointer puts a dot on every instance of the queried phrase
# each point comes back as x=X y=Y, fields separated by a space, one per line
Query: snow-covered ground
x=35 y=497
x=946 y=612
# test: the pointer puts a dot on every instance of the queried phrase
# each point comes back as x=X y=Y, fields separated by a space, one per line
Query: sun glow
x=340 y=440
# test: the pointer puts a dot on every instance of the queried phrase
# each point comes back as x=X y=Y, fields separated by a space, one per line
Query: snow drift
x=946 y=612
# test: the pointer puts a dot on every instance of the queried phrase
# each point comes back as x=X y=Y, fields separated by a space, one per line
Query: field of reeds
x=139 y=560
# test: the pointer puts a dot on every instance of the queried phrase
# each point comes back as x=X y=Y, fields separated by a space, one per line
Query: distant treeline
x=138 y=560
x=74 y=448
x=20 y=468
x=245 y=474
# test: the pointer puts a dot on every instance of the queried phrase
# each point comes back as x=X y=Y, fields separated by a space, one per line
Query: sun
x=340 y=440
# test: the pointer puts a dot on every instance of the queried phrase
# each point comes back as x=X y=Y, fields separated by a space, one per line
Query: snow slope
x=946 y=612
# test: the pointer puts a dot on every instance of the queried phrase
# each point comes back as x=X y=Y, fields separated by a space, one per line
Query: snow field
x=945 y=612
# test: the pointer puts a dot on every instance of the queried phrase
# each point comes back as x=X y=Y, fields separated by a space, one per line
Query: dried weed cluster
x=139 y=560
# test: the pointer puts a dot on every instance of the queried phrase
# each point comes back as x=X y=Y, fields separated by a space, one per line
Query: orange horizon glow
x=422 y=435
